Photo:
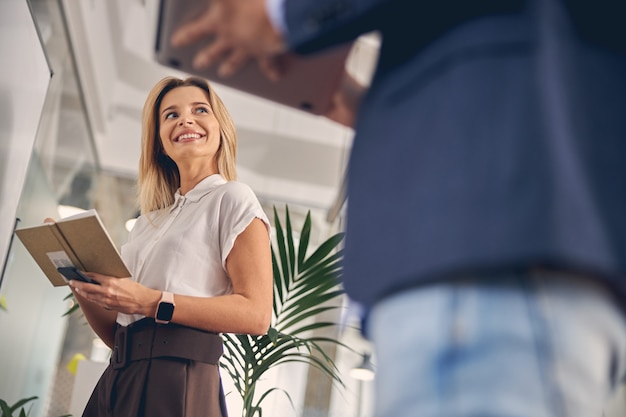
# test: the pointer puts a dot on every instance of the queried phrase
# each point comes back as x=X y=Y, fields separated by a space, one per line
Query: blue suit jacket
x=491 y=137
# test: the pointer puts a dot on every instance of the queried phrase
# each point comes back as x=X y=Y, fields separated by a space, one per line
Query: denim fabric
x=536 y=344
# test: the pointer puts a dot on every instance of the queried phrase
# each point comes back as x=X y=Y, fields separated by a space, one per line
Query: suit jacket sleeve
x=313 y=25
x=316 y=24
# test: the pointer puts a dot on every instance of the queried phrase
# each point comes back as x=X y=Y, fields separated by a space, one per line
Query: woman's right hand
x=101 y=320
x=118 y=294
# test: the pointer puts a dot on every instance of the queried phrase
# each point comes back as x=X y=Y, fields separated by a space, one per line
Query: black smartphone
x=71 y=272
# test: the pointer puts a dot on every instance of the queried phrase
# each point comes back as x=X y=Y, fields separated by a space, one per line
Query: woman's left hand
x=120 y=294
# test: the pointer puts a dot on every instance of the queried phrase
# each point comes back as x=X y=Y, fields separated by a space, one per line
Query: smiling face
x=188 y=128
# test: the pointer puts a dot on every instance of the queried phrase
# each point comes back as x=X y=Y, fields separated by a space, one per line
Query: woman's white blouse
x=183 y=249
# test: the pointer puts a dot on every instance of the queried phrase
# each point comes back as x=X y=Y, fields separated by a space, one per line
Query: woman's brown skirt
x=160 y=370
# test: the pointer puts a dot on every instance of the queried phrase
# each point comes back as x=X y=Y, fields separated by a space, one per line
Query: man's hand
x=240 y=30
x=346 y=101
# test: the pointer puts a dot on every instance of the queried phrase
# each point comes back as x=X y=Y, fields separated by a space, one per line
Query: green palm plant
x=304 y=286
x=7 y=410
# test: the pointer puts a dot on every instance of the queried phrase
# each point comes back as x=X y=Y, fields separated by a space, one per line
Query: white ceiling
x=284 y=154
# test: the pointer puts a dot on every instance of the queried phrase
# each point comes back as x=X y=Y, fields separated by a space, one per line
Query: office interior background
x=73 y=79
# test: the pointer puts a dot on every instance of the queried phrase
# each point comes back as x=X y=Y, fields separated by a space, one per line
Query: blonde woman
x=200 y=261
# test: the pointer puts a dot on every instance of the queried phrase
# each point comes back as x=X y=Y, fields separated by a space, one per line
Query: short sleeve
x=239 y=206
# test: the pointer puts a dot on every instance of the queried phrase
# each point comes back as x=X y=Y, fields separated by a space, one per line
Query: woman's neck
x=189 y=178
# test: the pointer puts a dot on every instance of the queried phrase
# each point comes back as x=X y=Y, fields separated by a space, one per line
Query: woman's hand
x=119 y=294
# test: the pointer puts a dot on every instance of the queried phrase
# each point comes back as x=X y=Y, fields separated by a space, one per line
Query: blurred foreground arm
x=240 y=28
x=244 y=29
x=346 y=101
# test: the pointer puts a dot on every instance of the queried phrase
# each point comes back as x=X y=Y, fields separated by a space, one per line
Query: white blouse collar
x=200 y=190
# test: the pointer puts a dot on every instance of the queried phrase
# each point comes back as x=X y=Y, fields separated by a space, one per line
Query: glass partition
x=62 y=171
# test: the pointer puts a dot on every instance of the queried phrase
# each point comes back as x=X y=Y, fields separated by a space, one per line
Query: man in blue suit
x=486 y=225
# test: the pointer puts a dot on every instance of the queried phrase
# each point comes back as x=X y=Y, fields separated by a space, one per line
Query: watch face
x=165 y=311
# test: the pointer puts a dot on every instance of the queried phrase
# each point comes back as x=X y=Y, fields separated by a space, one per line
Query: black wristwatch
x=165 y=308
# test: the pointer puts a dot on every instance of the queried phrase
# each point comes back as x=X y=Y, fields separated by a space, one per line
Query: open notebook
x=80 y=241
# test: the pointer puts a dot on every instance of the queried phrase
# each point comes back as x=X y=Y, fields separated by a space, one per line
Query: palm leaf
x=323 y=250
x=304 y=287
x=7 y=410
x=304 y=240
x=278 y=286
x=269 y=391
x=290 y=246
x=22 y=402
x=284 y=261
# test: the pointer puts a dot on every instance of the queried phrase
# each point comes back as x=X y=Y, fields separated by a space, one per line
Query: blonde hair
x=158 y=174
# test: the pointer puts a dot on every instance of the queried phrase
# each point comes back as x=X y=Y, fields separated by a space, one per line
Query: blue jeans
x=536 y=344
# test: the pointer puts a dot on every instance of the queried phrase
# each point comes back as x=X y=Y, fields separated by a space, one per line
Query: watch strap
x=167 y=297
